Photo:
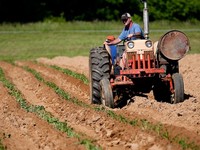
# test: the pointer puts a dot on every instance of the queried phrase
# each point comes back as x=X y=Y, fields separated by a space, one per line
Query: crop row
x=143 y=124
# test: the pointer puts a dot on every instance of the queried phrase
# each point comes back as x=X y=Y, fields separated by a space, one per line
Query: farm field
x=42 y=107
x=44 y=96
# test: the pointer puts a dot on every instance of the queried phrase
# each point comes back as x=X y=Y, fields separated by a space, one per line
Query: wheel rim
x=106 y=93
x=178 y=86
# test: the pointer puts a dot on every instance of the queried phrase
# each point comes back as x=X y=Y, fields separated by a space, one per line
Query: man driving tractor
x=131 y=31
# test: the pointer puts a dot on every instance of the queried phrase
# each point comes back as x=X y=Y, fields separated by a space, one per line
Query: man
x=131 y=31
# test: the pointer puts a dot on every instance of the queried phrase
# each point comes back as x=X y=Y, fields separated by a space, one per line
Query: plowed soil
x=21 y=129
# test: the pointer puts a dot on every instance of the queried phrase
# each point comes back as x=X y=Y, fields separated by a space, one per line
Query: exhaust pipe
x=145 y=20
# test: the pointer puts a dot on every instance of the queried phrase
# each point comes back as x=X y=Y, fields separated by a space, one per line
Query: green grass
x=50 y=39
x=2 y=147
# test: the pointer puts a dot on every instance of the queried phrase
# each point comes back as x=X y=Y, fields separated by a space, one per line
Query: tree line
x=25 y=11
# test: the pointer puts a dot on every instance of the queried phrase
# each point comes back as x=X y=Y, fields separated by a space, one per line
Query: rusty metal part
x=141 y=65
x=174 y=45
x=121 y=80
x=168 y=79
x=142 y=72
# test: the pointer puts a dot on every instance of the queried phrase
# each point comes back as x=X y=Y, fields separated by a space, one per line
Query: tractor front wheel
x=106 y=93
x=178 y=87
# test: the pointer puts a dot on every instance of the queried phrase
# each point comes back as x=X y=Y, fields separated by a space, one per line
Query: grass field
x=50 y=39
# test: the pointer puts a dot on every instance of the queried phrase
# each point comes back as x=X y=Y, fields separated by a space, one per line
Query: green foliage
x=57 y=89
x=89 y=146
x=51 y=11
x=2 y=147
x=137 y=18
x=82 y=77
x=174 y=9
x=51 y=19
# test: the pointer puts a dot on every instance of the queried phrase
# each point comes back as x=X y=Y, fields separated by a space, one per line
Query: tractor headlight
x=148 y=43
x=130 y=44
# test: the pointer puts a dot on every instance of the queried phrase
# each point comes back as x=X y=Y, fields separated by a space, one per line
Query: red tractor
x=148 y=66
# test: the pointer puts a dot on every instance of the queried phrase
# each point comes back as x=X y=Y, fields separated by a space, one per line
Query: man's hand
x=130 y=36
x=137 y=35
x=105 y=43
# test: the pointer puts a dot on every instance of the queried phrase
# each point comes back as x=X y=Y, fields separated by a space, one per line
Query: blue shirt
x=131 y=30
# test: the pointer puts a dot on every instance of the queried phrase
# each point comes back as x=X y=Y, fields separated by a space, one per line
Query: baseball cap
x=125 y=16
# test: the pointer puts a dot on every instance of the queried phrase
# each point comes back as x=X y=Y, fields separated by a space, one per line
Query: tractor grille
x=141 y=64
x=141 y=61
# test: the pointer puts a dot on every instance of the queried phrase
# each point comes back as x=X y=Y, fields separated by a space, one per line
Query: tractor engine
x=140 y=59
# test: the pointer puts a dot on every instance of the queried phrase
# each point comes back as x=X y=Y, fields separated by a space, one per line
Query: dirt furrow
x=78 y=64
x=75 y=87
x=185 y=115
x=23 y=131
x=141 y=108
x=107 y=132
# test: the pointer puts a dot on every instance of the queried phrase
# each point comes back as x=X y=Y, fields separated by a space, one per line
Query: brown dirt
x=18 y=126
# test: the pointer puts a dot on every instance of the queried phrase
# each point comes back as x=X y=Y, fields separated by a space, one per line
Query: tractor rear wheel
x=99 y=68
x=106 y=93
x=178 y=94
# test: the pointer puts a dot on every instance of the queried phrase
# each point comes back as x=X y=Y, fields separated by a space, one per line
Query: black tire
x=161 y=91
x=178 y=95
x=106 y=93
x=99 y=67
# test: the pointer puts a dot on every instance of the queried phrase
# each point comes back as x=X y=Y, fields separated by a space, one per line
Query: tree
x=38 y=10
x=174 y=9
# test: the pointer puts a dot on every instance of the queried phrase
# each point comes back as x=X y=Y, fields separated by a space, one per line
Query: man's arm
x=114 y=42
